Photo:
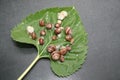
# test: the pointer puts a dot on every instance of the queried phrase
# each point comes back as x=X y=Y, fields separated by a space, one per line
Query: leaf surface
x=73 y=59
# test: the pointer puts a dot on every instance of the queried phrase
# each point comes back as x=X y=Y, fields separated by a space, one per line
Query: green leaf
x=73 y=59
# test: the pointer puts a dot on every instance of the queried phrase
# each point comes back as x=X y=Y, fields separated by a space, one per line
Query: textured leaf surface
x=76 y=57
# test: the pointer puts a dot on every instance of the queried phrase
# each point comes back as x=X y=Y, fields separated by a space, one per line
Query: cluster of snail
x=55 y=52
x=58 y=53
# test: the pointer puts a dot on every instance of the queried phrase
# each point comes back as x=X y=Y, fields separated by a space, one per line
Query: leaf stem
x=29 y=68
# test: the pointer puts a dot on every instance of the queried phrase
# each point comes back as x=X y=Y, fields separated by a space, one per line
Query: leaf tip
x=73 y=7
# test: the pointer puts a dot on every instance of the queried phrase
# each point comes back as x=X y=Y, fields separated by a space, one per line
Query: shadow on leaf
x=23 y=45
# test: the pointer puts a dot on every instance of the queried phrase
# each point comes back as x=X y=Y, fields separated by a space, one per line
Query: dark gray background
x=102 y=22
